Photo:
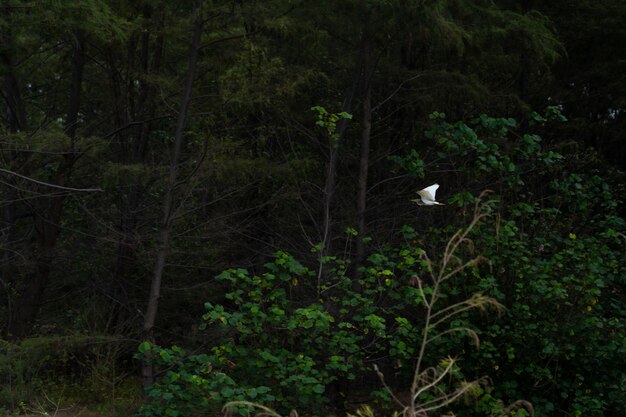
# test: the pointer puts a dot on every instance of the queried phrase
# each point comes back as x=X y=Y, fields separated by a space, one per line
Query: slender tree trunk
x=12 y=96
x=78 y=65
x=168 y=199
x=13 y=106
x=329 y=187
x=146 y=109
x=524 y=79
x=365 y=155
x=329 y=191
x=331 y=173
x=51 y=214
x=335 y=389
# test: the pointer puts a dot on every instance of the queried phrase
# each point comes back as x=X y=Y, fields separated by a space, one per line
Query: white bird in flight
x=427 y=196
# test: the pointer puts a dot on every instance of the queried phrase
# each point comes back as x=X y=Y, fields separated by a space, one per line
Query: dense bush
x=292 y=337
x=283 y=342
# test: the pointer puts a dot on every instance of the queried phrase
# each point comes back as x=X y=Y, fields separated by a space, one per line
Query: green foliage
x=556 y=251
x=191 y=386
x=271 y=341
x=274 y=348
x=495 y=148
x=274 y=344
x=329 y=121
x=563 y=273
x=411 y=163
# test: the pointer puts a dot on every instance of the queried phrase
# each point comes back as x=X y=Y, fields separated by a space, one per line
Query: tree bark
x=168 y=199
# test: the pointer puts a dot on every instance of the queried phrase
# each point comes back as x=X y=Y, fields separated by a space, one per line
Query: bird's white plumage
x=427 y=196
x=429 y=192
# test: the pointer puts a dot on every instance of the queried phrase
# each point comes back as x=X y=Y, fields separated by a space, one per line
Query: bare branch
x=471 y=333
x=477 y=301
x=458 y=269
x=381 y=376
x=434 y=382
x=516 y=405
x=47 y=184
x=419 y=284
x=266 y=411
x=447 y=400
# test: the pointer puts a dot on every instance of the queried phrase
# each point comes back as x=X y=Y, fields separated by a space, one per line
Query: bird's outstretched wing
x=428 y=193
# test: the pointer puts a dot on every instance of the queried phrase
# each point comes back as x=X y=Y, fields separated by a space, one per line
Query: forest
x=210 y=207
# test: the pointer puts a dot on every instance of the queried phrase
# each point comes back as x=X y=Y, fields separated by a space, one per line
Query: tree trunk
x=12 y=96
x=13 y=105
x=168 y=199
x=129 y=202
x=331 y=174
x=365 y=156
x=78 y=64
x=52 y=211
x=524 y=79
